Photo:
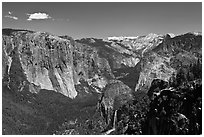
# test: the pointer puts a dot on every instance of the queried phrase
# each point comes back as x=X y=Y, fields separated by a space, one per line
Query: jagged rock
x=156 y=86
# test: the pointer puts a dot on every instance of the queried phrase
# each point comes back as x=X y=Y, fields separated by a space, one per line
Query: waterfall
x=115 y=119
x=114 y=124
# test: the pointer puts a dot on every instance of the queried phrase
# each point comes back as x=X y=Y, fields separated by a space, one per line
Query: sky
x=101 y=20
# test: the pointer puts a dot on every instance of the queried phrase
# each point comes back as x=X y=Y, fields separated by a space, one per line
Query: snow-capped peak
x=152 y=36
x=121 y=38
x=196 y=33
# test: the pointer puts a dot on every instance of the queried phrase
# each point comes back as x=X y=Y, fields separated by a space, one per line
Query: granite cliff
x=45 y=60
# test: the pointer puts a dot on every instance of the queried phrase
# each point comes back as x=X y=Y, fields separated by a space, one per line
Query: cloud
x=38 y=16
x=12 y=17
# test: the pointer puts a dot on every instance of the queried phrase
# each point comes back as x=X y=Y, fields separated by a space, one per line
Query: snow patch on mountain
x=122 y=38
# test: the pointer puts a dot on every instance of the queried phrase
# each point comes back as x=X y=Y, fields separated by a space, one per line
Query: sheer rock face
x=154 y=67
x=45 y=62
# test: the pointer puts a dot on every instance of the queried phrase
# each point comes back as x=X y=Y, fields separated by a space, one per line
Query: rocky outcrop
x=156 y=86
x=115 y=95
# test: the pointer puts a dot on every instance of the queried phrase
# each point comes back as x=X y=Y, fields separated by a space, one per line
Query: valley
x=120 y=85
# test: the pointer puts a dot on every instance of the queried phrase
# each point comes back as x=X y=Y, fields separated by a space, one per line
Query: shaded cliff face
x=37 y=61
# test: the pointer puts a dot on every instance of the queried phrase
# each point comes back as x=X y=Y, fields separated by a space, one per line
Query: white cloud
x=12 y=17
x=38 y=16
x=9 y=12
